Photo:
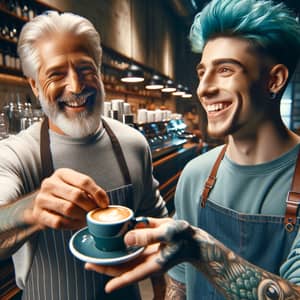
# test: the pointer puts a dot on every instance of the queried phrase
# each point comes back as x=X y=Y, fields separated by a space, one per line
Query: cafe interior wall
x=145 y=31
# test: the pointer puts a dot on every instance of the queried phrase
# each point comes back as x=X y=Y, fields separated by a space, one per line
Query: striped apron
x=55 y=273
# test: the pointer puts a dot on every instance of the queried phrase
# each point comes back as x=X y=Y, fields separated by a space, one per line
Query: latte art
x=111 y=214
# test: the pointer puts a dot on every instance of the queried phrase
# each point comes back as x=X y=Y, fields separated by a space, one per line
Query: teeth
x=77 y=103
x=216 y=107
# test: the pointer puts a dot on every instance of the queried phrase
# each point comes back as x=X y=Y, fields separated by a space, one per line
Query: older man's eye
x=55 y=75
x=85 y=70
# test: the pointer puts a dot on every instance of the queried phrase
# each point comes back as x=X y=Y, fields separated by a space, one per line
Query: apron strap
x=46 y=157
x=118 y=153
x=210 y=181
x=293 y=199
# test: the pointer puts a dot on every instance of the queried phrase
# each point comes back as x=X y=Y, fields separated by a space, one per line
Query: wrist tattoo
x=175 y=290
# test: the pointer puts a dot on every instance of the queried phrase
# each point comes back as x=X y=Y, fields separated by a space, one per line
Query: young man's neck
x=267 y=145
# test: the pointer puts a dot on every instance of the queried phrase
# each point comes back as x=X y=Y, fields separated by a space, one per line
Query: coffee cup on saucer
x=109 y=225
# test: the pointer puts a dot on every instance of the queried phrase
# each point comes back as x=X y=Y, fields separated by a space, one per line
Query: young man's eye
x=200 y=74
x=225 y=70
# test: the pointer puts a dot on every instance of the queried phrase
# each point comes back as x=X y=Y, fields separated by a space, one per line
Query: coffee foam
x=110 y=214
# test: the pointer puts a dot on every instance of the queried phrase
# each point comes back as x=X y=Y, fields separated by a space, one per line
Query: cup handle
x=139 y=220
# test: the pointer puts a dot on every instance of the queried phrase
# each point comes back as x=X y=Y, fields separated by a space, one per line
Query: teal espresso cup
x=108 y=226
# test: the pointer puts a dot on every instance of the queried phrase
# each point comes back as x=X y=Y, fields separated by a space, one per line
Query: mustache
x=76 y=97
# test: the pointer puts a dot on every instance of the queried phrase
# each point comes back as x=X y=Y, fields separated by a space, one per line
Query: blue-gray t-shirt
x=253 y=189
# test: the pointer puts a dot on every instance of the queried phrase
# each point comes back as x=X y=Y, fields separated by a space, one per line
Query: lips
x=79 y=102
x=217 y=107
x=76 y=101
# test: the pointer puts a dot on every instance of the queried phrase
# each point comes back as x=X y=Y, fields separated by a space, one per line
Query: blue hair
x=270 y=27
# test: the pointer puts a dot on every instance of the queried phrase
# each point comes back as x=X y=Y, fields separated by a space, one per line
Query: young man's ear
x=33 y=87
x=279 y=75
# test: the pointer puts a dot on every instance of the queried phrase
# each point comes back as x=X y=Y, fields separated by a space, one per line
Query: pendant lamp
x=169 y=87
x=187 y=93
x=179 y=90
x=132 y=74
x=155 y=83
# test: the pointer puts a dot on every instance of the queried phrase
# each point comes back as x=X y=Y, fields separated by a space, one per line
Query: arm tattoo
x=13 y=231
x=233 y=276
x=175 y=290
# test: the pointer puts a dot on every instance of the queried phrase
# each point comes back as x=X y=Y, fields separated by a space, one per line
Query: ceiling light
x=179 y=91
x=169 y=87
x=155 y=83
x=132 y=74
x=187 y=93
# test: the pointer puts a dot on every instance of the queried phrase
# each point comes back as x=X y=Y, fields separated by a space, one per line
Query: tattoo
x=13 y=232
x=235 y=277
x=180 y=244
x=175 y=290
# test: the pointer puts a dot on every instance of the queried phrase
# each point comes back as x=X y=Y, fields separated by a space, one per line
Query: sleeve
x=178 y=271
x=19 y=167
x=152 y=204
x=290 y=269
x=10 y=179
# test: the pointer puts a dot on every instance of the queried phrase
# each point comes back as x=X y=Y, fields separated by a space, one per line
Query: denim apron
x=264 y=241
x=55 y=274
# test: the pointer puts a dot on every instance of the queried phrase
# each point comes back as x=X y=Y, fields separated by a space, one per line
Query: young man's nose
x=206 y=87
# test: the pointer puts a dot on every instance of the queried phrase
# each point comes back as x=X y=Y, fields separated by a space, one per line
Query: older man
x=53 y=173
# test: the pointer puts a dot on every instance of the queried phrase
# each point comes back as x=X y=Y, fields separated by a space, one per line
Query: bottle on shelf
x=13 y=33
x=25 y=10
x=11 y=6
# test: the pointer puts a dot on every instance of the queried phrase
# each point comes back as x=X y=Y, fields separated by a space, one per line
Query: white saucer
x=82 y=246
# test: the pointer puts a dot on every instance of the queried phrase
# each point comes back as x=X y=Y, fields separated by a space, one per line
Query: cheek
x=52 y=91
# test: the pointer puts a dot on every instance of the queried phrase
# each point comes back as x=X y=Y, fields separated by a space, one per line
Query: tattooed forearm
x=235 y=277
x=13 y=231
x=230 y=274
x=175 y=290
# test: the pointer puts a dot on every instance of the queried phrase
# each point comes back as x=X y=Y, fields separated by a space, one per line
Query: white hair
x=52 y=23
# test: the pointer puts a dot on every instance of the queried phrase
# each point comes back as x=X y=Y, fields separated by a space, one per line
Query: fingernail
x=130 y=239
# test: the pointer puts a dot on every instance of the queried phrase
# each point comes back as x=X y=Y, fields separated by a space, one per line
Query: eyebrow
x=221 y=61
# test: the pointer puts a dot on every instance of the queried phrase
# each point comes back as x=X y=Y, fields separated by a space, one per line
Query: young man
x=243 y=241
x=53 y=173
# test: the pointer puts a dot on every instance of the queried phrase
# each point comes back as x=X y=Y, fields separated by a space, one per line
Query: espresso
x=111 y=214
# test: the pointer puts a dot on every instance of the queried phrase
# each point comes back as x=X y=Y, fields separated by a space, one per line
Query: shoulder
x=24 y=141
x=202 y=164
x=125 y=133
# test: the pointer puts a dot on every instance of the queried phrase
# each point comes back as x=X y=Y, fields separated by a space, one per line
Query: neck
x=266 y=144
x=55 y=128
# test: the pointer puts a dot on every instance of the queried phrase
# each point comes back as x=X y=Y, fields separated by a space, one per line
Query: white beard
x=80 y=124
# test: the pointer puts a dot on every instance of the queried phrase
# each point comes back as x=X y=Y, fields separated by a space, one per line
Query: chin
x=80 y=126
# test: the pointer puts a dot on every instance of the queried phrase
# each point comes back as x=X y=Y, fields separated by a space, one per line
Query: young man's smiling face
x=233 y=86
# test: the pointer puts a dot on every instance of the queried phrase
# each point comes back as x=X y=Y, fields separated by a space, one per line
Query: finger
x=128 y=273
x=82 y=182
x=67 y=208
x=147 y=236
x=49 y=219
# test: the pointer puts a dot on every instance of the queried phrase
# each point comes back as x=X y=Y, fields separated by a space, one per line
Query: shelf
x=12 y=79
x=7 y=13
x=11 y=42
